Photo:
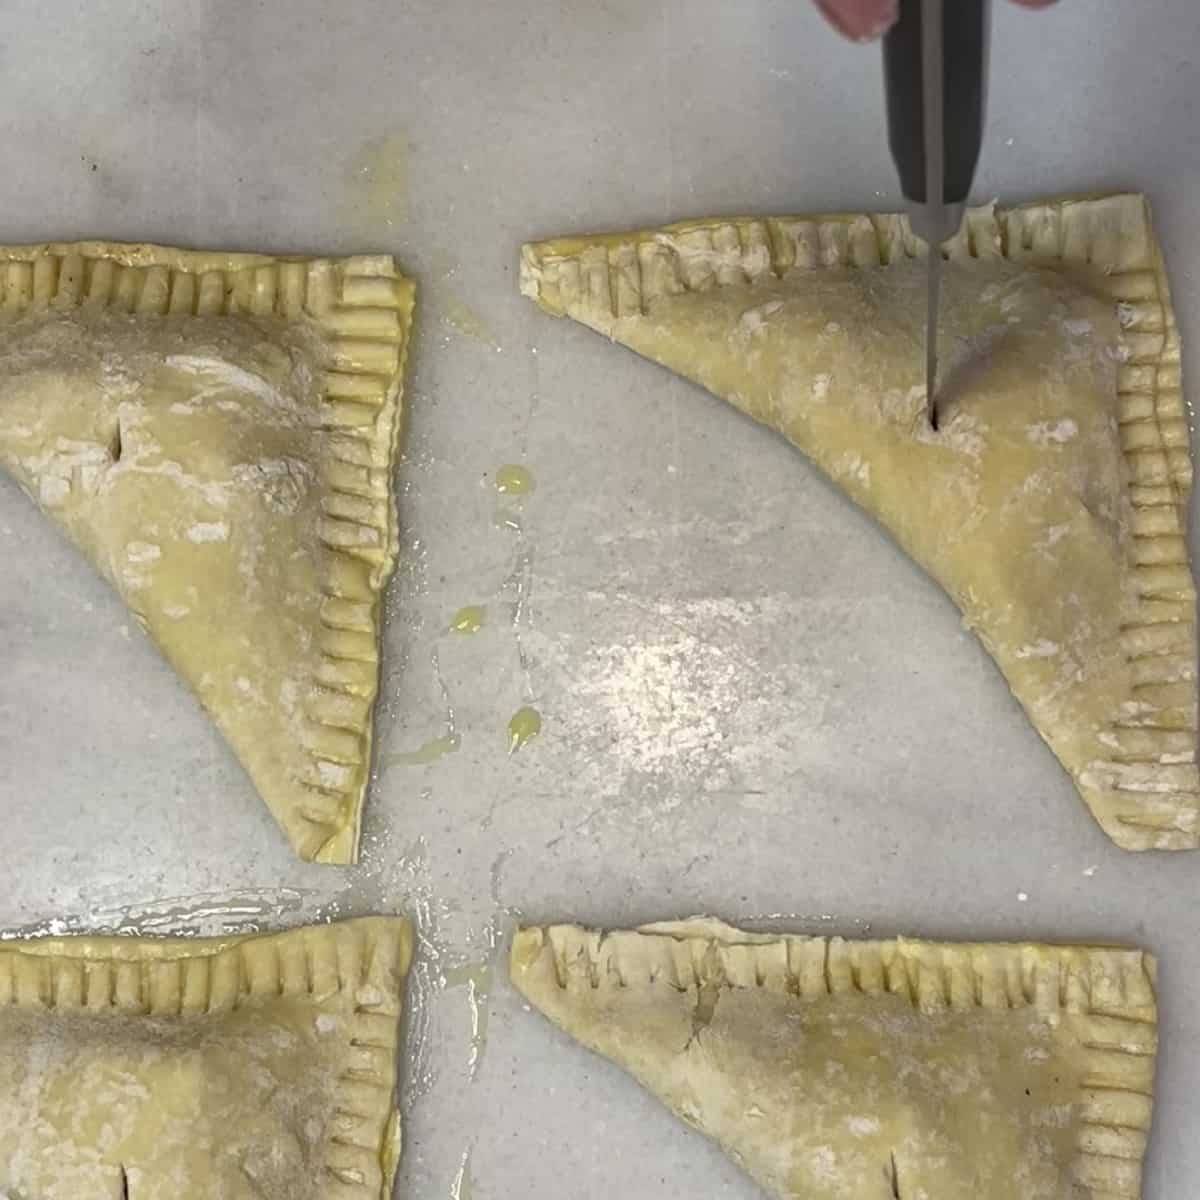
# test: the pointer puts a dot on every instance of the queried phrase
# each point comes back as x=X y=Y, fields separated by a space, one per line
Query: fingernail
x=860 y=20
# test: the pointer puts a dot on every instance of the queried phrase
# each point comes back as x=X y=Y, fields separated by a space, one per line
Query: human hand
x=865 y=20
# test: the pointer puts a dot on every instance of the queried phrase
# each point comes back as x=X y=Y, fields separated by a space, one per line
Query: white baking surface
x=753 y=703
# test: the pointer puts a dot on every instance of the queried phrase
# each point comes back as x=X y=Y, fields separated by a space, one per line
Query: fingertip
x=860 y=20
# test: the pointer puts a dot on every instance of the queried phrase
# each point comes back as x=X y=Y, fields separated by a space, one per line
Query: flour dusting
x=142 y=552
x=863 y=1126
x=754 y=320
x=1047 y=433
x=1042 y=648
x=208 y=531
x=667 y=699
x=688 y=699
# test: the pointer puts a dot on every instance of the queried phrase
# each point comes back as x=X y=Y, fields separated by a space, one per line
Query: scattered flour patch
x=863 y=1126
x=208 y=531
x=1053 y=535
x=754 y=320
x=281 y=483
x=1056 y=1116
x=333 y=775
x=223 y=376
x=53 y=490
x=667 y=700
x=905 y=408
x=142 y=552
x=682 y=698
x=965 y=432
x=1046 y=433
x=823 y=1164
x=1042 y=648
x=851 y=466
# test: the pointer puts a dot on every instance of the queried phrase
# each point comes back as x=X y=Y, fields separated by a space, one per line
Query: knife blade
x=933 y=146
x=935 y=70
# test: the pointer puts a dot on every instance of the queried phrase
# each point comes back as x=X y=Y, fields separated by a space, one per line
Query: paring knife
x=935 y=81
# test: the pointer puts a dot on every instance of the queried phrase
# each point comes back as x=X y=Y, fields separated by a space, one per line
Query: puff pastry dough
x=217 y=432
x=1051 y=504
x=251 y=1068
x=875 y=1069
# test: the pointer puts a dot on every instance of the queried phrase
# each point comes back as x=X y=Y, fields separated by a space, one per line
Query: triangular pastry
x=1051 y=502
x=245 y=1068
x=217 y=432
x=871 y=1070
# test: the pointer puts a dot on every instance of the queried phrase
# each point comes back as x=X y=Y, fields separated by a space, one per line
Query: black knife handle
x=964 y=86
